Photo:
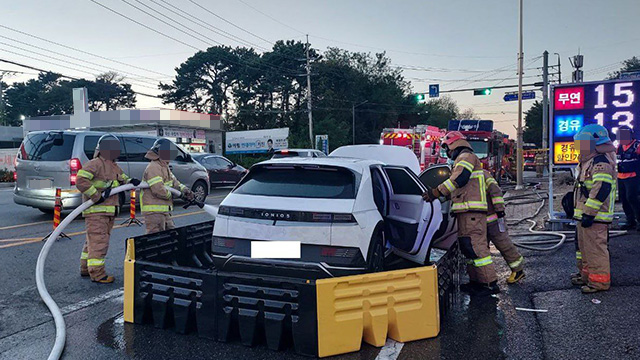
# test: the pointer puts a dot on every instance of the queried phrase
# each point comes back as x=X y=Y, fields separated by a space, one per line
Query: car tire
x=375 y=258
x=200 y=190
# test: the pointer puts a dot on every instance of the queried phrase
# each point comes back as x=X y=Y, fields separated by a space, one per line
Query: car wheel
x=200 y=190
x=375 y=260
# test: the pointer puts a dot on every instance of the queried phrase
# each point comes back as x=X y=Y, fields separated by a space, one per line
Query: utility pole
x=559 y=72
x=519 y=163
x=309 y=97
x=353 y=120
x=545 y=102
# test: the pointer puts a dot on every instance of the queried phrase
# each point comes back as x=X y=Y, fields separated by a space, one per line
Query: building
x=196 y=132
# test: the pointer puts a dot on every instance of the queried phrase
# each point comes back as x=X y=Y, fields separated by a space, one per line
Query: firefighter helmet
x=165 y=149
x=595 y=132
x=453 y=140
x=108 y=146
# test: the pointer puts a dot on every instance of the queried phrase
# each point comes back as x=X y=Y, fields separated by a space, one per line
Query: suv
x=51 y=159
x=347 y=213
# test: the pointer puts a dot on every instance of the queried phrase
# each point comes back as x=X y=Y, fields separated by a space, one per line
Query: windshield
x=481 y=148
x=52 y=146
x=300 y=182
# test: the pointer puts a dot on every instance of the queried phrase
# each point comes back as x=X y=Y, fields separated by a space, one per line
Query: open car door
x=448 y=231
x=410 y=222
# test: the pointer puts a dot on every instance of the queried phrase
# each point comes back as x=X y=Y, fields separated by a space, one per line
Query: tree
x=441 y=110
x=533 y=124
x=632 y=64
x=468 y=114
x=49 y=94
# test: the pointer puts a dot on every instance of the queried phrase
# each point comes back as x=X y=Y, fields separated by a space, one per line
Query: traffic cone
x=57 y=208
x=132 y=211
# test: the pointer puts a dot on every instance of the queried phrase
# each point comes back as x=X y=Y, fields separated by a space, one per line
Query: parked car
x=347 y=213
x=283 y=153
x=222 y=171
x=51 y=159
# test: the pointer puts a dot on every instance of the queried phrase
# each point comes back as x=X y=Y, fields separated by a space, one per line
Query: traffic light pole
x=545 y=102
x=520 y=162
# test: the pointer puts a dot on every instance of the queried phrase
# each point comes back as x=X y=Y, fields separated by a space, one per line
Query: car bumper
x=71 y=199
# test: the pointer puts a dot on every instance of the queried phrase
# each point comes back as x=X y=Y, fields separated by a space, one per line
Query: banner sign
x=256 y=141
x=608 y=103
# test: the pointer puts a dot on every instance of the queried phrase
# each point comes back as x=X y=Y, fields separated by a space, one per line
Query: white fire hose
x=58 y=346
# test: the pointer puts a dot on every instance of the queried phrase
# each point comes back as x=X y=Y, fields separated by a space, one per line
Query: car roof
x=358 y=165
x=93 y=132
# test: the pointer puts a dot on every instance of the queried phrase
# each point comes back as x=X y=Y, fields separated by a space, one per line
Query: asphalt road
x=575 y=326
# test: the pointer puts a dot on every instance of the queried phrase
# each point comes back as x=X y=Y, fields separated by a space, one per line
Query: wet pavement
x=574 y=326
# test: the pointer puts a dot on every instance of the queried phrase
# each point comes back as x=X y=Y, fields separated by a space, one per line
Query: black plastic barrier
x=170 y=282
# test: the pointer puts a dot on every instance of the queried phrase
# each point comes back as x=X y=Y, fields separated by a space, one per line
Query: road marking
x=19 y=242
x=92 y=301
x=390 y=350
x=27 y=224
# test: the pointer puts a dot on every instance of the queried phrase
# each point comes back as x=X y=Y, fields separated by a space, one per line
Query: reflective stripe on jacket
x=596 y=185
x=466 y=184
x=158 y=175
x=495 y=201
x=95 y=176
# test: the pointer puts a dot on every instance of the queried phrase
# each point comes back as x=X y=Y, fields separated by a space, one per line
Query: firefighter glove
x=430 y=195
x=105 y=194
x=134 y=181
x=587 y=220
x=188 y=195
x=500 y=214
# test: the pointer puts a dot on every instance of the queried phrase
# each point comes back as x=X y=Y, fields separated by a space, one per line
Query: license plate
x=40 y=183
x=275 y=249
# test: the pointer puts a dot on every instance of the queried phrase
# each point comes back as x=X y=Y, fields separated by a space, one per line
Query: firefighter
x=156 y=203
x=594 y=200
x=497 y=231
x=95 y=181
x=466 y=187
x=628 y=155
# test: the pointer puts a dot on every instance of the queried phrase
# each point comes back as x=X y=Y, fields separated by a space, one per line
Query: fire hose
x=58 y=319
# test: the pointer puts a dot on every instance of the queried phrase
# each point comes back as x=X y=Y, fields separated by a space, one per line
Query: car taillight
x=328 y=251
x=15 y=176
x=226 y=243
x=74 y=167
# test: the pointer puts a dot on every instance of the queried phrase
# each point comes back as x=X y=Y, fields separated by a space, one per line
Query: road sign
x=608 y=103
x=434 y=90
x=630 y=75
x=526 y=95
x=322 y=143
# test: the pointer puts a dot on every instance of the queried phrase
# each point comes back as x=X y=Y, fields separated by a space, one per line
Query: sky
x=458 y=44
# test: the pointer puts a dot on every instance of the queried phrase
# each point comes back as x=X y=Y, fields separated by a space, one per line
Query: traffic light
x=485 y=91
x=421 y=97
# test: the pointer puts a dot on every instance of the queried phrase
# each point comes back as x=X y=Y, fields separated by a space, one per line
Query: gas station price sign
x=608 y=103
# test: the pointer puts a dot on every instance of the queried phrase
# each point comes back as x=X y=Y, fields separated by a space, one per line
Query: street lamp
x=353 y=120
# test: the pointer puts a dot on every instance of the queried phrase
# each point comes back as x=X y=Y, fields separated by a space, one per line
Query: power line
x=81 y=51
x=65 y=76
x=230 y=23
x=271 y=17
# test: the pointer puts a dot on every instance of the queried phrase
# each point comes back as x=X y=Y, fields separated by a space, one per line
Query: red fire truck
x=424 y=140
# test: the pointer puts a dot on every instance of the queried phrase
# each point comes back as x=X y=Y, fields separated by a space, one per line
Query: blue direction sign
x=434 y=90
x=526 y=95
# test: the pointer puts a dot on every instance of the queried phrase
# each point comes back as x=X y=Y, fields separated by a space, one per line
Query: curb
x=7 y=185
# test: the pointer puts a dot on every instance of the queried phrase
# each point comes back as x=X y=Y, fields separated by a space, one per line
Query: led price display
x=608 y=103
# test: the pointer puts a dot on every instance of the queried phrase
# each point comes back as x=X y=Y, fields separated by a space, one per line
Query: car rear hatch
x=43 y=164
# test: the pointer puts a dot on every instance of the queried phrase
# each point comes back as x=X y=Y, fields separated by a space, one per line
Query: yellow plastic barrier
x=400 y=304
x=129 y=280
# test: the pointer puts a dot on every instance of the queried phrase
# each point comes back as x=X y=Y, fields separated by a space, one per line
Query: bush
x=248 y=160
x=6 y=175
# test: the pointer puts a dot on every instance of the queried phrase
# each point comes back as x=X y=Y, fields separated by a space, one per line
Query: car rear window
x=280 y=155
x=53 y=146
x=301 y=182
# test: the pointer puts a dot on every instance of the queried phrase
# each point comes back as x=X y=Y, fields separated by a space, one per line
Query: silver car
x=51 y=159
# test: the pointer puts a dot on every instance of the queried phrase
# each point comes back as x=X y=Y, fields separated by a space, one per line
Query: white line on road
x=94 y=300
x=390 y=350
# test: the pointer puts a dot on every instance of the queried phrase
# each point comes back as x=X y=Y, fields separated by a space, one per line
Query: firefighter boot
x=469 y=287
x=486 y=289
x=515 y=277
x=576 y=279
x=107 y=279
x=586 y=289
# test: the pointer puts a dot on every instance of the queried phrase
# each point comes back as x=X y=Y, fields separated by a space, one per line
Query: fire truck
x=423 y=140
x=491 y=146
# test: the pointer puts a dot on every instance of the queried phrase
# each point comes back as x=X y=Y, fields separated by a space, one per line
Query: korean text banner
x=256 y=141
x=609 y=103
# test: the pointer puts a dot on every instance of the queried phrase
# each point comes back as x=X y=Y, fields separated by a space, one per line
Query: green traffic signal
x=486 y=91
x=421 y=97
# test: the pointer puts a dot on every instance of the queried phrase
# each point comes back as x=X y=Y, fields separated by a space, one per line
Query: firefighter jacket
x=495 y=201
x=157 y=174
x=596 y=184
x=466 y=185
x=96 y=176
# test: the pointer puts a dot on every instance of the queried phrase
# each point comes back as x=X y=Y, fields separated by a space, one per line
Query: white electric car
x=346 y=212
